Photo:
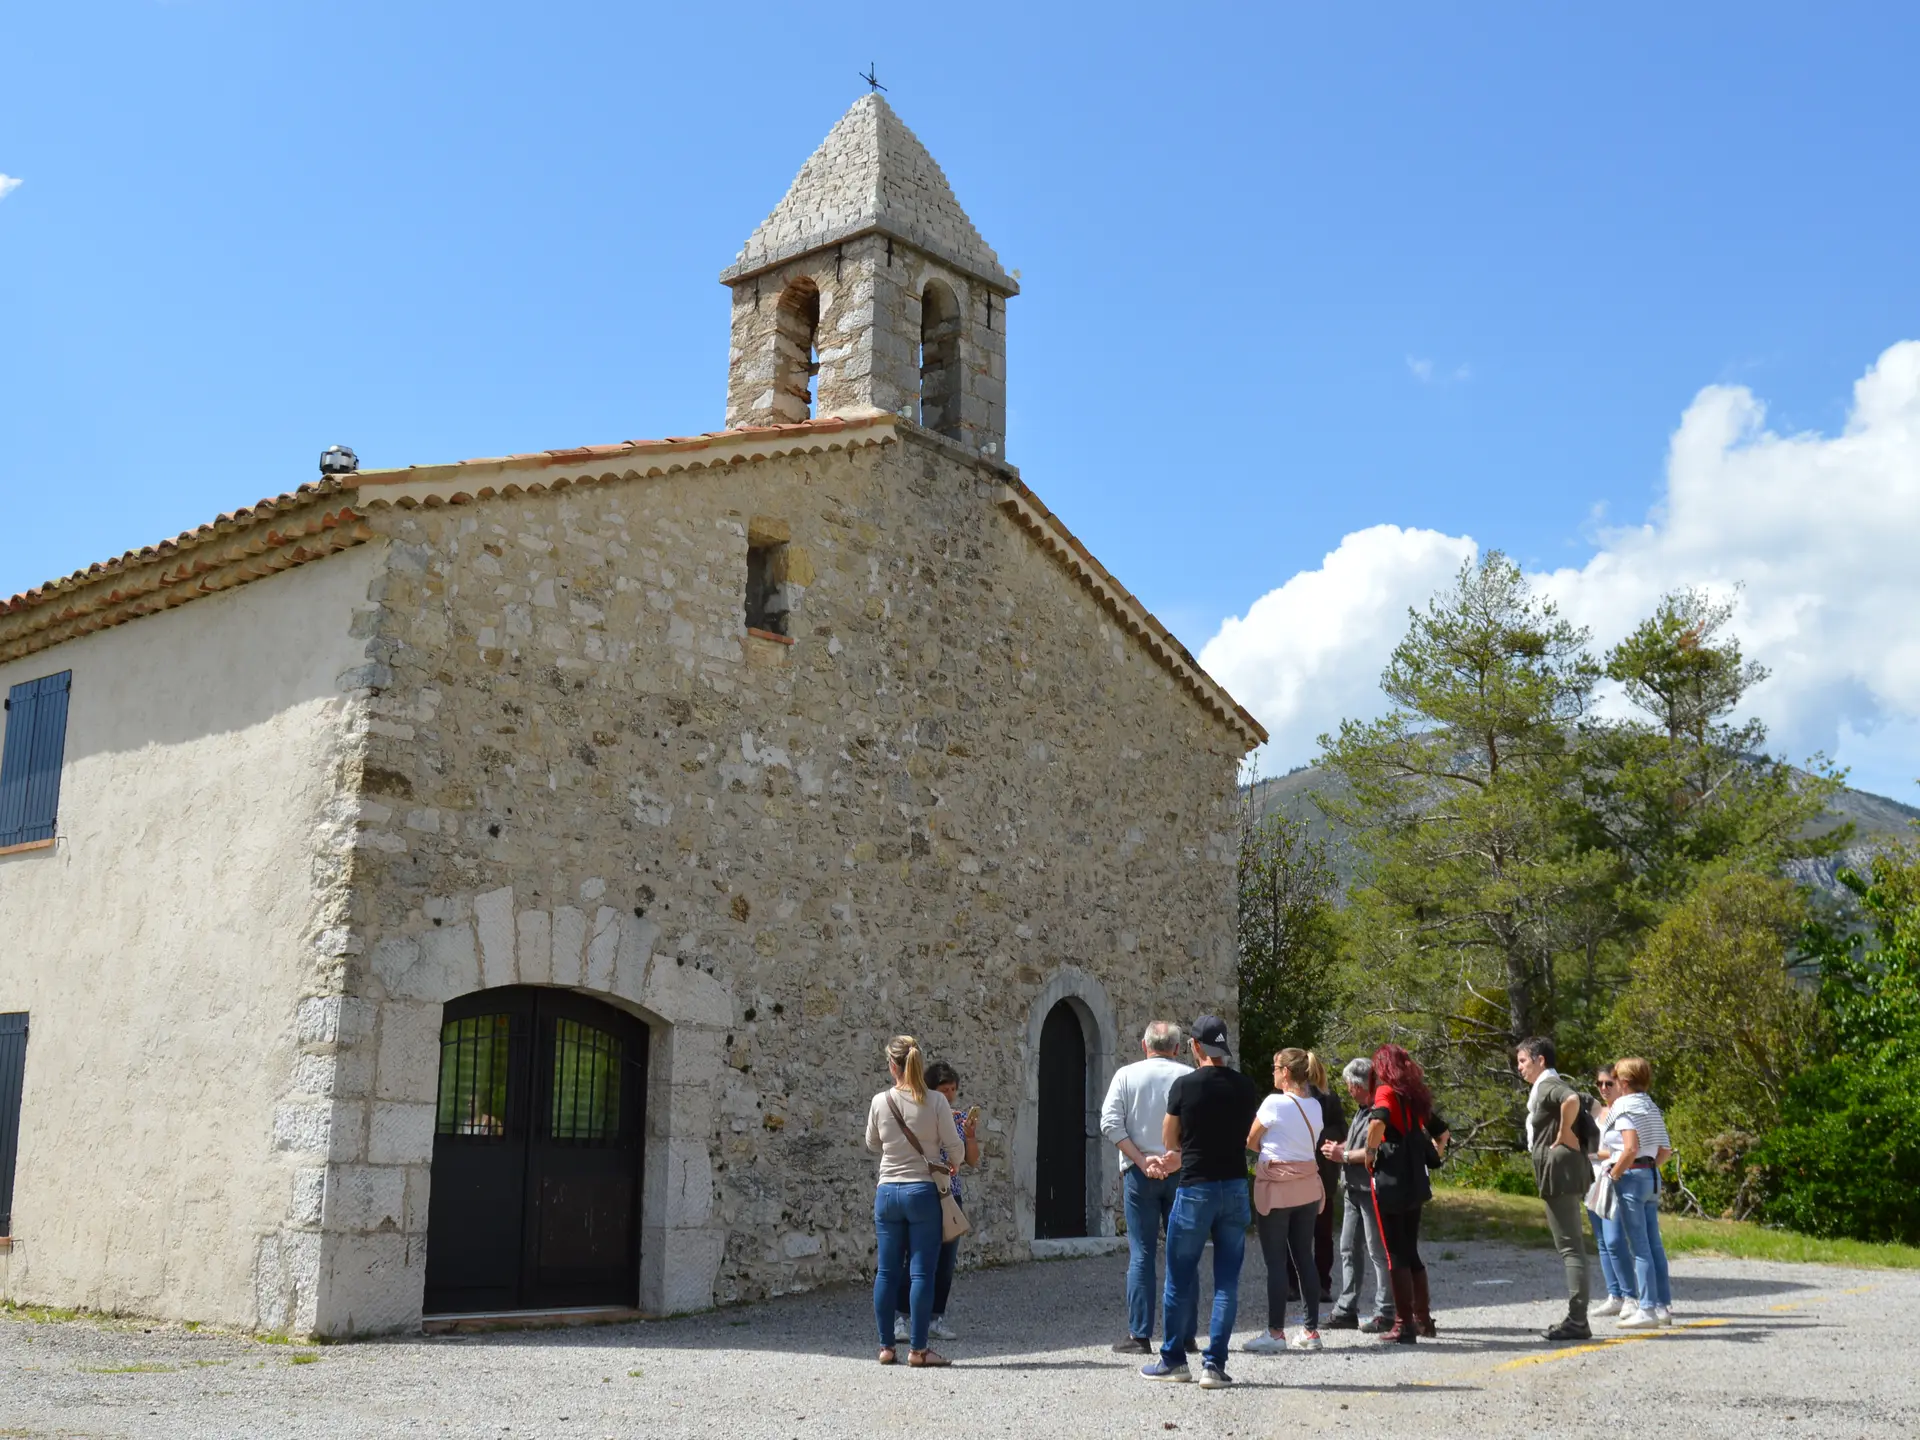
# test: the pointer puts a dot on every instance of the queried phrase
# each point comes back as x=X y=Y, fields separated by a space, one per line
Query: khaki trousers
x=1564 y=1214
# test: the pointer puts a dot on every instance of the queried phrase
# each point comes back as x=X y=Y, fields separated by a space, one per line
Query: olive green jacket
x=1556 y=1169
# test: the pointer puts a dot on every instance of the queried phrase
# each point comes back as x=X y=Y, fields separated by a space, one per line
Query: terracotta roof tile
x=186 y=539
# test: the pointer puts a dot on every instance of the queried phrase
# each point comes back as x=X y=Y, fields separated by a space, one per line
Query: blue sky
x=1290 y=273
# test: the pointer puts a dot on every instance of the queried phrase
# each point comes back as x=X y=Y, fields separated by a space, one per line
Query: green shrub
x=1503 y=1173
x=1845 y=1160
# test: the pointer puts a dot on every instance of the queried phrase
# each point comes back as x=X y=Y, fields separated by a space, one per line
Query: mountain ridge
x=1879 y=821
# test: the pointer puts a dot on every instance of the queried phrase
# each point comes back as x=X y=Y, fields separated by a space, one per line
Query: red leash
x=1378 y=1219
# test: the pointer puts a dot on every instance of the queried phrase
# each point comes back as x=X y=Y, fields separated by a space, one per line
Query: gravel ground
x=1758 y=1348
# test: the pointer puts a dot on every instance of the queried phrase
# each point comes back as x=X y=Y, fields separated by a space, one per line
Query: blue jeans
x=907 y=1218
x=942 y=1281
x=1636 y=1224
x=1217 y=1210
x=1616 y=1270
x=1148 y=1202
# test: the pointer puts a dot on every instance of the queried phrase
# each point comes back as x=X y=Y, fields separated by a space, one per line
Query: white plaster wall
x=163 y=946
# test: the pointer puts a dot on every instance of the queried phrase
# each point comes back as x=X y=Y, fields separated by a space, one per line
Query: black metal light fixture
x=338 y=460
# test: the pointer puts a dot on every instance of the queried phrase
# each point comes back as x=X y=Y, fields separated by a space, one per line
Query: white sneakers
x=1632 y=1317
x=1612 y=1305
x=1267 y=1343
x=937 y=1330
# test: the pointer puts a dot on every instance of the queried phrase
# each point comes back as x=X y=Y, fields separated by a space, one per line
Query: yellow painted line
x=1859 y=1289
x=1570 y=1351
x=1790 y=1305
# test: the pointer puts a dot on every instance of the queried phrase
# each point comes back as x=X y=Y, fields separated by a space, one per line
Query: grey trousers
x=1360 y=1231
x=1570 y=1239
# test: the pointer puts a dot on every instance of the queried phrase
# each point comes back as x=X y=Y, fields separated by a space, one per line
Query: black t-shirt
x=1215 y=1107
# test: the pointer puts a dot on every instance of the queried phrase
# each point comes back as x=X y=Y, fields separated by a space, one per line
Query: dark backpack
x=1400 y=1168
x=1585 y=1129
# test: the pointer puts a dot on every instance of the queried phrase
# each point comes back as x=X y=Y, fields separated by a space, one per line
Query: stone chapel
x=484 y=889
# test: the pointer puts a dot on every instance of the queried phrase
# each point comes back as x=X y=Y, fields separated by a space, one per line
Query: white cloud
x=1820 y=534
x=8 y=184
x=1311 y=652
x=1428 y=373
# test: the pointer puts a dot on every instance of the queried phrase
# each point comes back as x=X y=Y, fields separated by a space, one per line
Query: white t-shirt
x=1293 y=1124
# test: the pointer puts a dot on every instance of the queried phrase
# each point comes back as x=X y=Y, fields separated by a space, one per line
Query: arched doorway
x=537 y=1153
x=1060 y=1155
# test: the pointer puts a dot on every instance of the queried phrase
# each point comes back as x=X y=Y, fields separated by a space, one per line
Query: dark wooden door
x=1060 y=1169
x=537 y=1154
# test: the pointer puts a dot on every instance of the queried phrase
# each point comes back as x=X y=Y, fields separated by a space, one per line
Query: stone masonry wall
x=961 y=791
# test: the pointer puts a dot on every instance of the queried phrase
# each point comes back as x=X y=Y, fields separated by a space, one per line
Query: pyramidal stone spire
x=868 y=289
x=871 y=174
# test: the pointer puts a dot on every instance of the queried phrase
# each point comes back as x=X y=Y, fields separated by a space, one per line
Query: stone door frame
x=1087 y=998
x=351 y=1257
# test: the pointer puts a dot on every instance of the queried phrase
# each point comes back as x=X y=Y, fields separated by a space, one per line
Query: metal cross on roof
x=872 y=83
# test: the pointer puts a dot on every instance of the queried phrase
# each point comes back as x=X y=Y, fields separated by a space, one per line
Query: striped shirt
x=1635 y=1111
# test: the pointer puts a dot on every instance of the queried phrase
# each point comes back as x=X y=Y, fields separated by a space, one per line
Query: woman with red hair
x=1404 y=1138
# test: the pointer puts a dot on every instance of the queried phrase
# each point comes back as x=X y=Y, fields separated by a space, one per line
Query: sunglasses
x=1606 y=1084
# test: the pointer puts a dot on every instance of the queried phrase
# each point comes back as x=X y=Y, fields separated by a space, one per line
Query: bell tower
x=868 y=289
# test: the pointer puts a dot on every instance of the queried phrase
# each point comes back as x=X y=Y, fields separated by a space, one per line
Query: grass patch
x=305 y=1357
x=40 y=1314
x=1457 y=1214
x=140 y=1369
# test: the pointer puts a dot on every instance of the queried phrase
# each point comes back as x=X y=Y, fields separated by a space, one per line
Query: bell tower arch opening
x=940 y=378
x=796 y=350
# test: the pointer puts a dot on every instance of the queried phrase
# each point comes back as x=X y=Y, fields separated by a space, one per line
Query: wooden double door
x=538 y=1152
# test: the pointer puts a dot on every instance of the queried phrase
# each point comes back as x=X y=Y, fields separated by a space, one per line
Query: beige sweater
x=932 y=1123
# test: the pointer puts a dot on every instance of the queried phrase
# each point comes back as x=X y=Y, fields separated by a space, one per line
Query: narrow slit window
x=767 y=601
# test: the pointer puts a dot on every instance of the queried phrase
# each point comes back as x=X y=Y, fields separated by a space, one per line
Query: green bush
x=1506 y=1174
x=1845 y=1160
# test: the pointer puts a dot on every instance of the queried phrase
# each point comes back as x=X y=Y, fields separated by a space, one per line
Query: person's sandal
x=887 y=1357
x=922 y=1358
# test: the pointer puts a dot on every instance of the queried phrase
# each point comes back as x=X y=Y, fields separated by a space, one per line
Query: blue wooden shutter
x=30 y=764
x=13 y=1071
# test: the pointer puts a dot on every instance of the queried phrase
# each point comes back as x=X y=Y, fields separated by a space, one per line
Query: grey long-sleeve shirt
x=1136 y=1104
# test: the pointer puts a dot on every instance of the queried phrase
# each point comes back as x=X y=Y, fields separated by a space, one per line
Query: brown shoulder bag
x=953 y=1220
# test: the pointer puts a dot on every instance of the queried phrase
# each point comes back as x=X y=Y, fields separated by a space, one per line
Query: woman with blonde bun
x=1632 y=1146
x=906 y=1124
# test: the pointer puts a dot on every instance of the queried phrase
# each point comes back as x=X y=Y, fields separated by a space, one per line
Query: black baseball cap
x=1210 y=1033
